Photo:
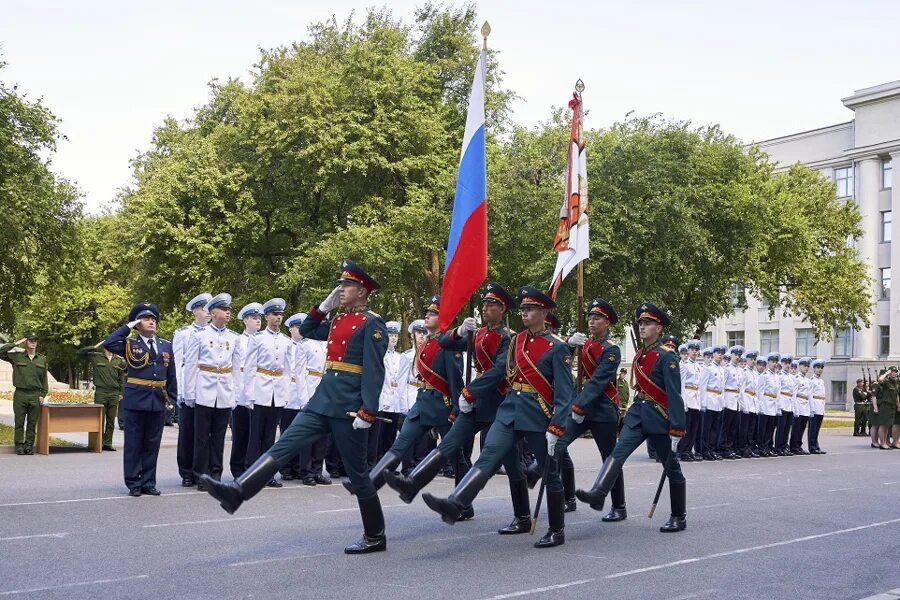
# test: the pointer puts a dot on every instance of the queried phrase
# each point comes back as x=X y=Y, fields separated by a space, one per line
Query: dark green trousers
x=26 y=409
x=110 y=401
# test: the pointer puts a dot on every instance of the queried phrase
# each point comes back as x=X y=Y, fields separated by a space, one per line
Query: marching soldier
x=860 y=408
x=212 y=374
x=441 y=384
x=267 y=379
x=712 y=384
x=31 y=383
x=536 y=407
x=352 y=382
x=108 y=373
x=690 y=393
x=251 y=315
x=817 y=407
x=149 y=387
x=185 y=411
x=596 y=409
x=297 y=398
x=478 y=404
x=657 y=412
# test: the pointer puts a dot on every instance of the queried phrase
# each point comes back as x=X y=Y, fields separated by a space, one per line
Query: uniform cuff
x=365 y=415
x=317 y=314
x=556 y=430
x=452 y=417
x=675 y=432
x=578 y=410
x=470 y=398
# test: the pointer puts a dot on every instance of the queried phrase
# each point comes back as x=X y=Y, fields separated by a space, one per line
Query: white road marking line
x=581 y=555
x=694 y=595
x=807 y=538
x=100 y=498
x=31 y=537
x=408 y=587
x=548 y=588
x=225 y=520
x=889 y=482
x=338 y=510
x=777 y=497
x=465 y=537
x=279 y=559
x=841 y=489
x=710 y=506
x=70 y=585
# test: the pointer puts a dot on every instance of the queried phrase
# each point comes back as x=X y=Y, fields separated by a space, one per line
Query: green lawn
x=6 y=437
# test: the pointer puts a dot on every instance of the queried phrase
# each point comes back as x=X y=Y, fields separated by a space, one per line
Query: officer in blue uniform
x=478 y=406
x=537 y=405
x=657 y=413
x=352 y=383
x=149 y=388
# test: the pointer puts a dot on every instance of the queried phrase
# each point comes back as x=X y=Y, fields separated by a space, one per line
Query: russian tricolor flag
x=466 y=266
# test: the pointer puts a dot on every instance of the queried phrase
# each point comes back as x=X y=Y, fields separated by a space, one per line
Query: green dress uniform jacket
x=29 y=374
x=108 y=375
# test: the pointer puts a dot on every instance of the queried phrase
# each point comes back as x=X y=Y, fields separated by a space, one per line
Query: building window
x=843 y=179
x=735 y=338
x=884 y=341
x=838 y=394
x=768 y=341
x=886 y=283
x=886 y=174
x=887 y=218
x=842 y=343
x=737 y=294
x=806 y=343
x=706 y=339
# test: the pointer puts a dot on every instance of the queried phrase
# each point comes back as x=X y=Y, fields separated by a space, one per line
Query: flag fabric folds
x=571 y=241
x=466 y=265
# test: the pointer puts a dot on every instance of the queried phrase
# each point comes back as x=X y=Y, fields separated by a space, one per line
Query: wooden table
x=67 y=418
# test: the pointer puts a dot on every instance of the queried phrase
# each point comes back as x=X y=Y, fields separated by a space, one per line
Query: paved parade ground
x=800 y=527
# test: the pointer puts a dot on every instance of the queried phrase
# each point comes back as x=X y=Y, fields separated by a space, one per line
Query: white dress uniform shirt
x=712 y=383
x=817 y=393
x=298 y=394
x=749 y=399
x=734 y=381
x=767 y=391
x=179 y=342
x=786 y=394
x=315 y=364
x=409 y=381
x=243 y=398
x=212 y=368
x=391 y=400
x=267 y=368
x=801 y=395
x=690 y=384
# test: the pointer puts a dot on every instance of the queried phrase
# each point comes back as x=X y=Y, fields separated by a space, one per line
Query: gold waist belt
x=313 y=373
x=424 y=386
x=713 y=390
x=147 y=382
x=336 y=365
x=221 y=370
x=269 y=372
x=732 y=390
x=770 y=395
x=693 y=388
x=524 y=387
x=819 y=397
x=802 y=396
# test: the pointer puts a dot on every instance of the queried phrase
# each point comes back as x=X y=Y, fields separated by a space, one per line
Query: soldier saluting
x=149 y=388
x=352 y=382
x=657 y=413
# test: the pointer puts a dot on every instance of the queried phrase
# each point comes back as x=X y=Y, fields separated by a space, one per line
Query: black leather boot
x=387 y=463
x=458 y=474
x=568 y=480
x=617 y=512
x=452 y=507
x=556 y=534
x=373 y=539
x=678 y=498
x=232 y=495
x=532 y=474
x=606 y=478
x=409 y=487
x=521 y=522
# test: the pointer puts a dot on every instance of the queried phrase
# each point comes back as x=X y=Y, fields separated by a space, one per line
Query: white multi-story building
x=858 y=156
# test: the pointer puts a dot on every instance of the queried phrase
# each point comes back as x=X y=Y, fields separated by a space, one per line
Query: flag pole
x=579 y=87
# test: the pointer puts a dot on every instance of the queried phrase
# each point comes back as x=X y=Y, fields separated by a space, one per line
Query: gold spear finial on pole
x=579 y=86
x=485 y=32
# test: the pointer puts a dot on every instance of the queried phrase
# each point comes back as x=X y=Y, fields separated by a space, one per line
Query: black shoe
x=467 y=514
x=109 y=449
x=518 y=525
x=678 y=501
x=334 y=474
x=708 y=456
x=367 y=545
x=274 y=483
x=674 y=524
x=151 y=490
x=697 y=457
x=21 y=451
x=30 y=451
x=555 y=535
x=551 y=539
x=232 y=495
x=571 y=505
x=323 y=480
x=188 y=482
x=310 y=480
x=134 y=492
x=686 y=458
x=373 y=539
x=615 y=515
x=202 y=487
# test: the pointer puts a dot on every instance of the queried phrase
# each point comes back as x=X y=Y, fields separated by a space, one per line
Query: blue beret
x=295 y=320
x=252 y=309
x=198 y=301
x=222 y=300
x=275 y=305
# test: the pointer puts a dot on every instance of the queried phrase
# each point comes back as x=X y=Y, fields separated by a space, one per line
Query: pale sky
x=112 y=71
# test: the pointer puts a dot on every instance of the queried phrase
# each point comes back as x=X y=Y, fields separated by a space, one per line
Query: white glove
x=551 y=443
x=577 y=339
x=332 y=301
x=577 y=418
x=675 y=441
x=133 y=324
x=189 y=402
x=360 y=424
x=464 y=405
x=468 y=325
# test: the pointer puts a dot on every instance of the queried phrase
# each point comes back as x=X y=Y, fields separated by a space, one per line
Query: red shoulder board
x=343 y=327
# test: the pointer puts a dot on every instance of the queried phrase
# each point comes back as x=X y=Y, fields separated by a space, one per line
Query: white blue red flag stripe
x=466 y=265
